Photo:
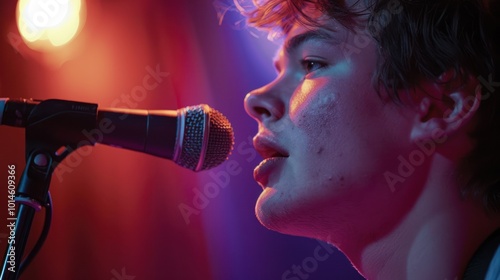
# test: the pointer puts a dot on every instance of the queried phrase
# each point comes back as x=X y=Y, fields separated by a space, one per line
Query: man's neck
x=436 y=240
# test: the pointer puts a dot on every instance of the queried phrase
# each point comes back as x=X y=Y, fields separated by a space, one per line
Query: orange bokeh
x=44 y=25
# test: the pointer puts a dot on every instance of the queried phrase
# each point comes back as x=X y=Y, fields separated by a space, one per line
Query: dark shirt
x=485 y=264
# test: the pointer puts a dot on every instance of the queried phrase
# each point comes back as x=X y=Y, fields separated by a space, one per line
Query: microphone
x=194 y=137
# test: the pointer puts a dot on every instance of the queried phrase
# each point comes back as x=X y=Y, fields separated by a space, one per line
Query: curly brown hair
x=423 y=39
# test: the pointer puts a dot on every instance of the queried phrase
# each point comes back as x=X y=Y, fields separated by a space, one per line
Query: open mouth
x=268 y=147
x=274 y=156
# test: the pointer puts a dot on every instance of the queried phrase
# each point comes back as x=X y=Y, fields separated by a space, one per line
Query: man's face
x=327 y=137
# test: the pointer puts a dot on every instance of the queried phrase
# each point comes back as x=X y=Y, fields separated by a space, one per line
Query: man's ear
x=445 y=106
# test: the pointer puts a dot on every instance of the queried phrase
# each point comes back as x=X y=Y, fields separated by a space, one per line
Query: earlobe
x=425 y=121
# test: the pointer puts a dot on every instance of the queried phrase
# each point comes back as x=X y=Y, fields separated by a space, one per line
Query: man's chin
x=274 y=212
x=269 y=210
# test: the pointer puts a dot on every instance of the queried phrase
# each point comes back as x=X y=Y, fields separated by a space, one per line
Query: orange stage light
x=45 y=24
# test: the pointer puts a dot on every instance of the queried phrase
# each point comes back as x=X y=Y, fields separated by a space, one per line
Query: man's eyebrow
x=317 y=34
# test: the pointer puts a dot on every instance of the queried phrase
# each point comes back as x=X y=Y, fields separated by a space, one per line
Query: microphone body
x=152 y=132
x=195 y=137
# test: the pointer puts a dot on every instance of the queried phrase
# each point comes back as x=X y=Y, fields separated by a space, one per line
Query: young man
x=380 y=133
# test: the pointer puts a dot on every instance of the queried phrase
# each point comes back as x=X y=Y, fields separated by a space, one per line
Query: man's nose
x=264 y=104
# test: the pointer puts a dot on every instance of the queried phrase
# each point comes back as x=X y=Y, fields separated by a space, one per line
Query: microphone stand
x=53 y=130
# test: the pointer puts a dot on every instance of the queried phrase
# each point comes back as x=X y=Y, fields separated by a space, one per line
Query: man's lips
x=268 y=147
x=274 y=155
x=263 y=171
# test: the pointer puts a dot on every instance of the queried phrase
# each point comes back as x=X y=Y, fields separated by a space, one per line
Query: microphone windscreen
x=206 y=138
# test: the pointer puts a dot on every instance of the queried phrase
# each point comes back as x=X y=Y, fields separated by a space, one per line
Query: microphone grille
x=220 y=140
x=208 y=138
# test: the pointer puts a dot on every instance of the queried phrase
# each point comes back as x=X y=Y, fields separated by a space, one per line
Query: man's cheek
x=301 y=99
x=311 y=97
x=317 y=115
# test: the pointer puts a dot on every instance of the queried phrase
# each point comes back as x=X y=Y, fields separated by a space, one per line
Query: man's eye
x=312 y=65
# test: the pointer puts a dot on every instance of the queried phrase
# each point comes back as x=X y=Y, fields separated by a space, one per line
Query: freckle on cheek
x=319 y=150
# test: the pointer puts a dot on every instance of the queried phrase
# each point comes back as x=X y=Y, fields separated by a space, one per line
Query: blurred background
x=123 y=215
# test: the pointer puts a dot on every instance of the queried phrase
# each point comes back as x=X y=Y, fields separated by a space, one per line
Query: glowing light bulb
x=52 y=21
